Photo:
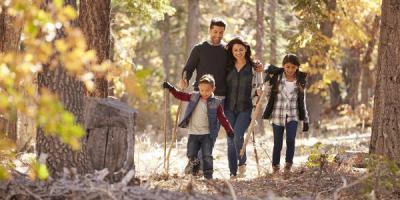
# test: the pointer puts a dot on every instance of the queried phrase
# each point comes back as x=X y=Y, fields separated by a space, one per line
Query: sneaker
x=233 y=177
x=242 y=171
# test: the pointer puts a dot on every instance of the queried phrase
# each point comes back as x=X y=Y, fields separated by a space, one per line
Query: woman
x=241 y=87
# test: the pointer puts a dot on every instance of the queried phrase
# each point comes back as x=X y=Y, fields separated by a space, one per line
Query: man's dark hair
x=207 y=79
x=217 y=22
x=291 y=58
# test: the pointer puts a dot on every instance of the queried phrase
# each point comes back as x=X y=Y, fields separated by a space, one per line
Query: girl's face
x=238 y=51
x=290 y=69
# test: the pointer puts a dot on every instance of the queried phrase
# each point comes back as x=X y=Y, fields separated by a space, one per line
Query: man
x=208 y=57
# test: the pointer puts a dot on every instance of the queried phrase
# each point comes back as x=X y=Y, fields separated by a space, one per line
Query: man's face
x=216 y=34
x=206 y=90
x=290 y=69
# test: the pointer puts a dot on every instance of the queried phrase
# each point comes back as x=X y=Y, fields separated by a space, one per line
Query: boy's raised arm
x=183 y=96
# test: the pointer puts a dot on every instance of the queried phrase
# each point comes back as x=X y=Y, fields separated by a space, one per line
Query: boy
x=201 y=117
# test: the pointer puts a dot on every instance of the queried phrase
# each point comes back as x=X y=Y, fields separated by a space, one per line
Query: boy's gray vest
x=212 y=106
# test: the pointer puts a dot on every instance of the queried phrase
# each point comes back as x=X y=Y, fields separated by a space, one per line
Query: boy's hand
x=167 y=85
x=230 y=134
x=305 y=127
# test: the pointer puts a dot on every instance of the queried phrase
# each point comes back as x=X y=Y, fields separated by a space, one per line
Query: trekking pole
x=254 y=114
x=173 y=139
x=165 y=128
x=255 y=154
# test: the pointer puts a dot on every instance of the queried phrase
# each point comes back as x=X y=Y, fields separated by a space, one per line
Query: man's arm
x=190 y=66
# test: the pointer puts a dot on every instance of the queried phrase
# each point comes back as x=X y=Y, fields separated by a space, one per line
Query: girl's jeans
x=291 y=128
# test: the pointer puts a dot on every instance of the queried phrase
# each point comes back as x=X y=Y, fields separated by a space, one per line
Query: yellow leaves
x=66 y=14
x=134 y=87
x=54 y=119
x=38 y=170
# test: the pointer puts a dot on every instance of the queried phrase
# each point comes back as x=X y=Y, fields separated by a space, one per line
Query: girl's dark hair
x=217 y=22
x=229 y=46
x=291 y=58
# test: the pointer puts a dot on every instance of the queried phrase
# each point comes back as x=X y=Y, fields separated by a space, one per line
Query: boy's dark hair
x=217 y=22
x=291 y=58
x=207 y=79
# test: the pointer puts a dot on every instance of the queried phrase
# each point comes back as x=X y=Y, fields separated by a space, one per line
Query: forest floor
x=325 y=180
x=303 y=183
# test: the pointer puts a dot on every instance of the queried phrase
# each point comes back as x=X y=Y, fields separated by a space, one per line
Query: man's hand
x=183 y=84
x=258 y=66
x=167 y=85
x=305 y=127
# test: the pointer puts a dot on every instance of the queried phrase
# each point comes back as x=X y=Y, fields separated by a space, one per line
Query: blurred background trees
x=140 y=43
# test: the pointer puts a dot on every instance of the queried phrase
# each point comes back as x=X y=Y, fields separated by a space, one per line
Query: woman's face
x=290 y=69
x=238 y=51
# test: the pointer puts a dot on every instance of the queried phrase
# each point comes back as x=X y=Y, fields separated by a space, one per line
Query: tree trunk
x=273 y=32
x=10 y=34
x=335 y=98
x=259 y=29
x=352 y=75
x=366 y=78
x=165 y=54
x=94 y=21
x=193 y=25
x=259 y=51
x=385 y=138
x=70 y=92
x=314 y=100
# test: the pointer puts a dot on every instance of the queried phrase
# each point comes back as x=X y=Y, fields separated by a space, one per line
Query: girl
x=286 y=106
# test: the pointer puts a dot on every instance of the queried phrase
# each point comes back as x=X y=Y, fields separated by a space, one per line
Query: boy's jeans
x=240 y=121
x=291 y=128
x=203 y=143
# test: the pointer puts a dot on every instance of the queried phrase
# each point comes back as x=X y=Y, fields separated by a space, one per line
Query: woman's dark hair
x=217 y=22
x=229 y=46
x=291 y=58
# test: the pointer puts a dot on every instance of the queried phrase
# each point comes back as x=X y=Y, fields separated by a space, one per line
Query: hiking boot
x=242 y=171
x=275 y=170
x=287 y=168
x=192 y=167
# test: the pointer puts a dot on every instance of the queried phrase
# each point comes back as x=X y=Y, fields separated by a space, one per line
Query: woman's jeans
x=240 y=121
x=291 y=129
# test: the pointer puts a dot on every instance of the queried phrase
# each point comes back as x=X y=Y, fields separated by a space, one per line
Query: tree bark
x=335 y=98
x=165 y=54
x=70 y=92
x=385 y=138
x=352 y=75
x=366 y=77
x=10 y=34
x=259 y=29
x=94 y=21
x=314 y=100
x=273 y=32
x=193 y=25
x=260 y=4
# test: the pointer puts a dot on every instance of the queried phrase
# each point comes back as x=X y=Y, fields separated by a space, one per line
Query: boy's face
x=216 y=34
x=290 y=69
x=206 y=90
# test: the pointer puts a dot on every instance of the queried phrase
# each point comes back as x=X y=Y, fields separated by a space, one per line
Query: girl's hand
x=258 y=66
